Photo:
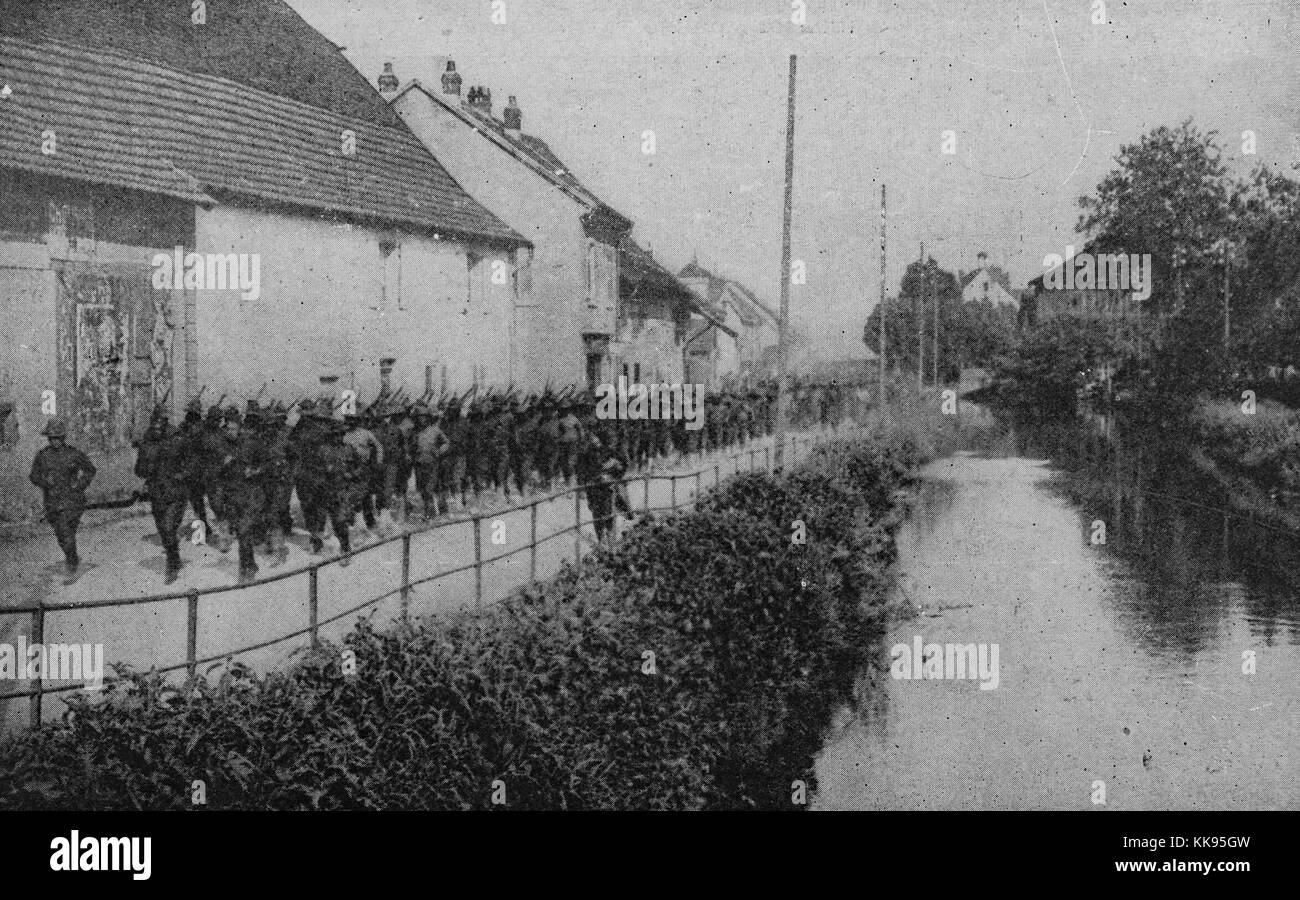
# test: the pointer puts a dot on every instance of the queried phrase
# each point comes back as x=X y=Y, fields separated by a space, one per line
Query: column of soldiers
x=238 y=470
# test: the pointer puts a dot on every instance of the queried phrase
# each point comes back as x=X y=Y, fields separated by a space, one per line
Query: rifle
x=222 y=400
x=198 y=398
x=260 y=392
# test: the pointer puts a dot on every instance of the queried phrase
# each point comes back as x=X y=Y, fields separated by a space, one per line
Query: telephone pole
x=782 y=340
x=934 y=301
x=882 y=294
x=920 y=331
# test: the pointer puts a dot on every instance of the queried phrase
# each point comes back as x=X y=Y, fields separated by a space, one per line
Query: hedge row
x=696 y=665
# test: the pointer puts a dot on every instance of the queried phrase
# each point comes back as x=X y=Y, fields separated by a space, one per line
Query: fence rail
x=38 y=611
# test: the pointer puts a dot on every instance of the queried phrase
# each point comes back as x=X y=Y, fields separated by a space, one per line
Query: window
x=386 y=375
x=390 y=251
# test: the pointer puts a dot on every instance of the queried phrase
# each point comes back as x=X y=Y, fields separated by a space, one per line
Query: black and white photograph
x=883 y=407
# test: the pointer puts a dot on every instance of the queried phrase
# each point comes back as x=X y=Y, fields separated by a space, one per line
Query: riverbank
x=694 y=666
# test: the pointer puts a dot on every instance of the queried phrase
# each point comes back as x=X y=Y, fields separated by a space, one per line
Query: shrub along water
x=695 y=665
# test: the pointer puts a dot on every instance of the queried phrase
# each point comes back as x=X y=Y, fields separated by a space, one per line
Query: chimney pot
x=480 y=100
x=514 y=118
x=388 y=81
x=451 y=80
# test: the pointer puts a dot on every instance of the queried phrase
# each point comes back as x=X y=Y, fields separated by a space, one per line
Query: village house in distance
x=136 y=131
x=598 y=304
x=987 y=282
x=736 y=333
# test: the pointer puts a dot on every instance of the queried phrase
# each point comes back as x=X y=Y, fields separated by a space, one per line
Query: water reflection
x=1121 y=661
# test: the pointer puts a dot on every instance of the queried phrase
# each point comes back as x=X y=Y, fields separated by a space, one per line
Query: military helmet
x=232 y=415
x=55 y=428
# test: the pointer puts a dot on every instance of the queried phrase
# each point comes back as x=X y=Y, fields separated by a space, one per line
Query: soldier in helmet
x=63 y=473
x=241 y=479
x=367 y=461
x=164 y=462
x=569 y=442
x=272 y=447
x=191 y=429
x=431 y=446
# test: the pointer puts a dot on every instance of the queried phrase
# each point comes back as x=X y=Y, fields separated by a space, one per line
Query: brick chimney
x=480 y=100
x=388 y=81
x=514 y=118
x=451 y=80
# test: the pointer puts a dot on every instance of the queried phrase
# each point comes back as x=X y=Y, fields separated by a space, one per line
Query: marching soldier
x=367 y=459
x=63 y=473
x=272 y=448
x=600 y=469
x=240 y=485
x=323 y=466
x=191 y=429
x=396 y=469
x=431 y=448
x=163 y=461
x=569 y=442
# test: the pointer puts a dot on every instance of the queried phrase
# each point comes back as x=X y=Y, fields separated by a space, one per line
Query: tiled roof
x=535 y=152
x=996 y=274
x=694 y=270
x=263 y=44
x=753 y=298
x=128 y=123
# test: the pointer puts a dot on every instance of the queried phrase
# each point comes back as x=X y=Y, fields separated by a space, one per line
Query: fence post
x=38 y=637
x=406 y=575
x=192 y=632
x=697 y=483
x=767 y=458
x=312 y=605
x=647 y=494
x=577 y=527
x=717 y=474
x=672 y=504
x=532 y=542
x=478 y=562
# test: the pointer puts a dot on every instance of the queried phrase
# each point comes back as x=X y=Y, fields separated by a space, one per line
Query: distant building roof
x=531 y=150
x=996 y=274
x=173 y=127
x=694 y=270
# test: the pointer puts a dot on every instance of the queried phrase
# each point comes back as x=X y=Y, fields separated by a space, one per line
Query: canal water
x=1157 y=670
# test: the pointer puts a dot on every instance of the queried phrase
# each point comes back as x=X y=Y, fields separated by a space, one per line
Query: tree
x=970 y=334
x=1170 y=196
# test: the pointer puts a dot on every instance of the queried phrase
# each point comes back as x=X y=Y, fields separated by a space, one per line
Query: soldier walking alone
x=63 y=473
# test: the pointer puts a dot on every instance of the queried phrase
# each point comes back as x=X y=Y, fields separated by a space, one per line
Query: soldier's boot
x=279 y=551
x=345 y=545
x=317 y=544
x=173 y=553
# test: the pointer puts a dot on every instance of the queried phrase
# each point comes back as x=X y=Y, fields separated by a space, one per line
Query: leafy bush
x=1265 y=446
x=756 y=640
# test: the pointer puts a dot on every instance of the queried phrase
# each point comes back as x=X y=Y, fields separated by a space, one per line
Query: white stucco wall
x=553 y=313
x=332 y=305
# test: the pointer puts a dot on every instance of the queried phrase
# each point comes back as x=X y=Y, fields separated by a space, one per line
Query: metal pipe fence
x=38 y=611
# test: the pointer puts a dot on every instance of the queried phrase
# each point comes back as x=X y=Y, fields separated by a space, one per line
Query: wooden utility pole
x=920 y=331
x=1227 y=293
x=934 y=301
x=882 y=294
x=782 y=340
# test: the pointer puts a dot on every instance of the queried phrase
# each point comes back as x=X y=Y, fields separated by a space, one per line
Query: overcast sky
x=1040 y=99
